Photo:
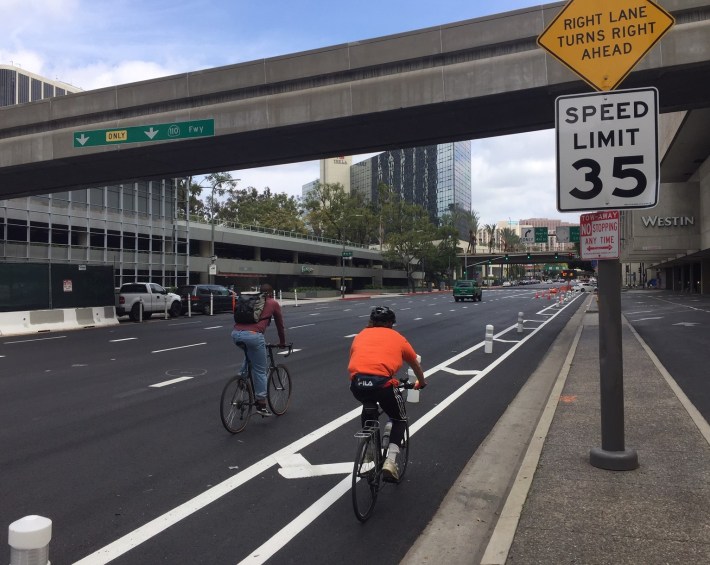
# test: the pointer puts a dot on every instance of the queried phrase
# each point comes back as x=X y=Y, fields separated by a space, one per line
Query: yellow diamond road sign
x=602 y=40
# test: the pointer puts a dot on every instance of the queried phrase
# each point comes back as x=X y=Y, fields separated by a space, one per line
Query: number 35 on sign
x=607 y=150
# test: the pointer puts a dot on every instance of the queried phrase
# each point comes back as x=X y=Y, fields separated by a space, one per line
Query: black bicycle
x=238 y=401
x=369 y=458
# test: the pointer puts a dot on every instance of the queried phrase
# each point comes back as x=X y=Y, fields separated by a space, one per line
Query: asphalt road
x=115 y=434
x=677 y=329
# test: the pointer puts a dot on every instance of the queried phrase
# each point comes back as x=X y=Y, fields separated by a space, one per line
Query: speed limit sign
x=607 y=150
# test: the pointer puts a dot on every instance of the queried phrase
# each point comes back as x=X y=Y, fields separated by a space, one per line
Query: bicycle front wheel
x=404 y=453
x=279 y=389
x=237 y=403
x=366 y=476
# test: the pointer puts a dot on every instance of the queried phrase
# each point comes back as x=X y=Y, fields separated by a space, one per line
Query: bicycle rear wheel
x=237 y=403
x=279 y=389
x=366 y=478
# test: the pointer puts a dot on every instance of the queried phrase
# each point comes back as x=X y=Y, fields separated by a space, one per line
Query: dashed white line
x=214 y=327
x=38 y=339
x=170 y=382
x=122 y=339
x=180 y=347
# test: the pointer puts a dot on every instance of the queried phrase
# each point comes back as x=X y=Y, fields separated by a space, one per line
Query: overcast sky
x=98 y=43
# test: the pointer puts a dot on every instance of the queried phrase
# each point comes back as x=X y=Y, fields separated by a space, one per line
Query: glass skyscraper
x=437 y=177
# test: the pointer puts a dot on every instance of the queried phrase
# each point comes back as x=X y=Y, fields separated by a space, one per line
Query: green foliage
x=331 y=212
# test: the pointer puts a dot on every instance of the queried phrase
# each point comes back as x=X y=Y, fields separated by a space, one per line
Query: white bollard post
x=412 y=394
x=29 y=539
x=488 y=348
x=140 y=310
x=520 y=322
x=295 y=296
x=166 y=308
x=211 y=303
x=189 y=307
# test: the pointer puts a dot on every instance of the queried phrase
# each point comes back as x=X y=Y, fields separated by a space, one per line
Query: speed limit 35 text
x=612 y=137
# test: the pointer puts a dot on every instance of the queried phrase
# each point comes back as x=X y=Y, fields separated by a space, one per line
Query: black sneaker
x=262 y=409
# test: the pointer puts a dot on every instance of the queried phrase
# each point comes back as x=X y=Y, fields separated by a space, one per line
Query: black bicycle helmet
x=382 y=315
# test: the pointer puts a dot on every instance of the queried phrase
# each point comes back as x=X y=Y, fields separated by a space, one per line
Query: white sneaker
x=390 y=471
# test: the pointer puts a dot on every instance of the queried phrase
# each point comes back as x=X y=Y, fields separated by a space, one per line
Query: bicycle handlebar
x=288 y=346
x=405 y=384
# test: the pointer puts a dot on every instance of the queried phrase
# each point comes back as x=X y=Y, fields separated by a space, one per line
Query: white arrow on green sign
x=141 y=134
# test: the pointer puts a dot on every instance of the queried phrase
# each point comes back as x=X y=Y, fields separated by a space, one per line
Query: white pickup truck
x=153 y=296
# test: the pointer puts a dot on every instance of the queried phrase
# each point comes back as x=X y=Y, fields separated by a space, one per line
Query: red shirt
x=379 y=351
x=271 y=308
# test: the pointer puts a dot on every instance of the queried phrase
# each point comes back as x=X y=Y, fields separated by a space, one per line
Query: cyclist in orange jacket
x=376 y=354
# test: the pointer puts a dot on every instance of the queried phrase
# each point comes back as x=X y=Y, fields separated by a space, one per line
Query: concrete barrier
x=38 y=321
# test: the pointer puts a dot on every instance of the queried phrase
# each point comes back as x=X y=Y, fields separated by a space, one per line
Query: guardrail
x=273 y=231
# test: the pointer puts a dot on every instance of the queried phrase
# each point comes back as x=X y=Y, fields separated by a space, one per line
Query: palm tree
x=491 y=232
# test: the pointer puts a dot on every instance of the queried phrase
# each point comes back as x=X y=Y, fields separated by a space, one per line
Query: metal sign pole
x=612 y=455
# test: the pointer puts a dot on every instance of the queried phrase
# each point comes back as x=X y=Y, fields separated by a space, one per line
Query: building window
x=23 y=88
x=7 y=87
x=48 y=90
x=36 y=89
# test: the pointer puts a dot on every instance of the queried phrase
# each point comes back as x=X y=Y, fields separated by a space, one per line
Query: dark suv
x=467 y=289
x=199 y=297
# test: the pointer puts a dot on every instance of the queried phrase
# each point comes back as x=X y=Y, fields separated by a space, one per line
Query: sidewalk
x=562 y=510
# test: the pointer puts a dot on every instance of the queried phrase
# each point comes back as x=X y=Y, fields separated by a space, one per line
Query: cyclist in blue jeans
x=253 y=337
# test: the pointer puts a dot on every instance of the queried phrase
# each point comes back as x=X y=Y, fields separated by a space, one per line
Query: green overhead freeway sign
x=141 y=134
x=540 y=235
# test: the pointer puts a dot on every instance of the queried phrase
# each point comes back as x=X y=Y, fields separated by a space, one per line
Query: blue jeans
x=256 y=351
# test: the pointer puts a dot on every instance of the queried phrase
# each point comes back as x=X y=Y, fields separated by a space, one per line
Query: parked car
x=584 y=287
x=199 y=297
x=467 y=289
x=155 y=299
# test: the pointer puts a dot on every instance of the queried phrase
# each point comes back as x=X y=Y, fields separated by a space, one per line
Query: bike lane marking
x=281 y=538
x=159 y=524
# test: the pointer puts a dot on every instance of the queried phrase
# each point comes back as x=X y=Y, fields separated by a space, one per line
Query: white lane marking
x=298 y=524
x=303 y=326
x=351 y=335
x=642 y=319
x=151 y=529
x=296 y=466
x=142 y=534
x=171 y=382
x=506 y=340
x=122 y=339
x=458 y=372
x=38 y=339
x=213 y=327
x=287 y=353
x=180 y=347
x=322 y=307
x=415 y=319
x=409 y=308
x=437 y=314
x=638 y=312
x=690 y=324
x=315 y=314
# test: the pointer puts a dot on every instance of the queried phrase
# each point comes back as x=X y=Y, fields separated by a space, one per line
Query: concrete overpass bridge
x=466 y=80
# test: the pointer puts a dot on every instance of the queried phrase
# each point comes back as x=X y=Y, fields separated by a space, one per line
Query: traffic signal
x=557 y=256
x=490 y=261
x=506 y=257
x=529 y=256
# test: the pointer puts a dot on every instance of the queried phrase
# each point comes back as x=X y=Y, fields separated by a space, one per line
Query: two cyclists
x=376 y=354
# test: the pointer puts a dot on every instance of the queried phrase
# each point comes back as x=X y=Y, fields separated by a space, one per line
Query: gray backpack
x=248 y=308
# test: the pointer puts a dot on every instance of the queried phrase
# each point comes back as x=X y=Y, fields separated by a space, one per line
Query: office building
x=437 y=177
x=130 y=225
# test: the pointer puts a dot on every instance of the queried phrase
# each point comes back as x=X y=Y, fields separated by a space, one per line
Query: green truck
x=467 y=289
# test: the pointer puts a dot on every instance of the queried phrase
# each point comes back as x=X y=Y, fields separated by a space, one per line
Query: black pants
x=392 y=403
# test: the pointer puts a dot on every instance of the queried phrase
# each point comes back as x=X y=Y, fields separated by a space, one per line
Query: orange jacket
x=379 y=351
